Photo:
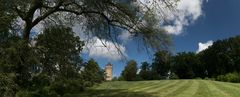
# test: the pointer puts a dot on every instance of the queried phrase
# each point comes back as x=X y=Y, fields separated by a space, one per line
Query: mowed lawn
x=164 y=88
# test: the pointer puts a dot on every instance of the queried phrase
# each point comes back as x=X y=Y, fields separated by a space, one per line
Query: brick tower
x=108 y=71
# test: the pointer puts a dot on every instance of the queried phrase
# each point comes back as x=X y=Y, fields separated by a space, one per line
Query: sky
x=194 y=27
x=200 y=24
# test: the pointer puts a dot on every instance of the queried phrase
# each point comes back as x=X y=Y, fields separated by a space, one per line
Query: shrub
x=198 y=78
x=39 y=81
x=67 y=86
x=173 y=76
x=58 y=88
x=8 y=87
x=229 y=77
x=121 y=78
x=42 y=92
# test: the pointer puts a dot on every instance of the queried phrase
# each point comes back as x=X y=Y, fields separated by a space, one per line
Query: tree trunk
x=26 y=32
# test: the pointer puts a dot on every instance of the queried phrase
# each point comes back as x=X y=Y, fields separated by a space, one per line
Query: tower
x=108 y=71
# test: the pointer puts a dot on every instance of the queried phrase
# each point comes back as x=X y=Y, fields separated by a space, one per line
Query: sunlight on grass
x=164 y=88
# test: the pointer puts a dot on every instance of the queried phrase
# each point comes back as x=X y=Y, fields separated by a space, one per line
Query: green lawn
x=164 y=88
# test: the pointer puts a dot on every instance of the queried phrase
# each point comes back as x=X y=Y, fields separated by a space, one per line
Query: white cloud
x=104 y=49
x=101 y=48
x=203 y=46
x=187 y=12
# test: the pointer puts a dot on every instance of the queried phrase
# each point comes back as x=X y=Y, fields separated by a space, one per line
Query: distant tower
x=108 y=71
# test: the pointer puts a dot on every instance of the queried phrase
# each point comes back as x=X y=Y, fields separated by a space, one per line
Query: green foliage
x=67 y=86
x=229 y=77
x=6 y=18
x=184 y=64
x=222 y=57
x=130 y=71
x=43 y=92
x=39 y=81
x=56 y=89
x=173 y=76
x=61 y=50
x=145 y=71
x=92 y=73
x=8 y=87
x=161 y=64
x=49 y=68
x=18 y=58
x=121 y=78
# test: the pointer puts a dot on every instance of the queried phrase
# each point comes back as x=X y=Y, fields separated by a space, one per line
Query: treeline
x=49 y=67
x=221 y=61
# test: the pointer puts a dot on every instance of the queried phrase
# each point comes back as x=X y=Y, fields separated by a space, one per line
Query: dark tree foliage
x=17 y=57
x=59 y=53
x=92 y=73
x=161 y=64
x=145 y=72
x=6 y=17
x=219 y=61
x=222 y=57
x=8 y=87
x=183 y=65
x=130 y=71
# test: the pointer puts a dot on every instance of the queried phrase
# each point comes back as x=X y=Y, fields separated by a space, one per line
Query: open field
x=164 y=88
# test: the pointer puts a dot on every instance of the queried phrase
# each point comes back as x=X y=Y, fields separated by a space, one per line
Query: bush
x=67 y=86
x=230 y=77
x=198 y=78
x=56 y=89
x=42 y=92
x=121 y=78
x=39 y=81
x=173 y=76
x=8 y=87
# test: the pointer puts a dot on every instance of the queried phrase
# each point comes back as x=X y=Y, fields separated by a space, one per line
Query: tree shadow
x=112 y=93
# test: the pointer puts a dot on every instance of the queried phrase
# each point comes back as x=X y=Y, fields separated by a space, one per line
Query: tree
x=59 y=53
x=183 y=64
x=145 y=71
x=161 y=64
x=92 y=73
x=8 y=87
x=6 y=17
x=130 y=71
x=222 y=57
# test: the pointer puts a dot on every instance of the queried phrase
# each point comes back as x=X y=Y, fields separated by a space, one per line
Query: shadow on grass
x=112 y=93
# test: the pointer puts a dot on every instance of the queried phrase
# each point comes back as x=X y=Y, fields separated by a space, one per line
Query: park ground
x=164 y=88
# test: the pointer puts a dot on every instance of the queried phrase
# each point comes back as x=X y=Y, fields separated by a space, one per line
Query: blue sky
x=218 y=19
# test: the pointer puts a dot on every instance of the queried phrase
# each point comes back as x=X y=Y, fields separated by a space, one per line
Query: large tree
x=161 y=64
x=92 y=73
x=145 y=72
x=130 y=71
x=186 y=65
x=59 y=54
x=222 y=57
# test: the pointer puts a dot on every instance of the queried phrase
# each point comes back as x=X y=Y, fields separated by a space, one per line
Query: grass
x=164 y=88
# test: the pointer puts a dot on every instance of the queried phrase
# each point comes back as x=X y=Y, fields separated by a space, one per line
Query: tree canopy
x=130 y=71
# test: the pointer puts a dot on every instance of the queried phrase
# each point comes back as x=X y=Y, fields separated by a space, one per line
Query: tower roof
x=109 y=64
